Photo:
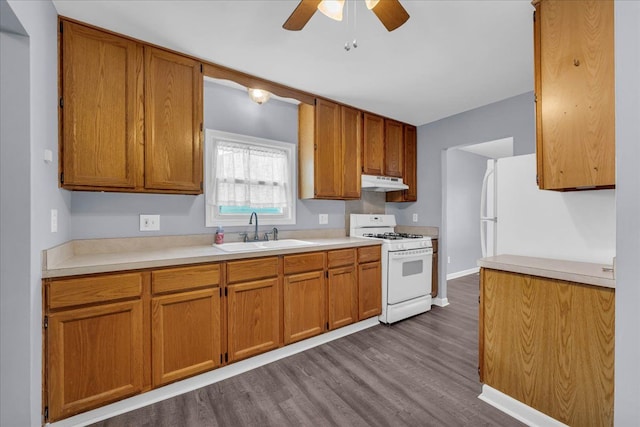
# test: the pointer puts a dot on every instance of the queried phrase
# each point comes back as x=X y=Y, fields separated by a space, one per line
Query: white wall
x=627 y=372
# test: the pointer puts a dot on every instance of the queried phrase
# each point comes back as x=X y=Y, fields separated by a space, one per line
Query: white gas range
x=406 y=266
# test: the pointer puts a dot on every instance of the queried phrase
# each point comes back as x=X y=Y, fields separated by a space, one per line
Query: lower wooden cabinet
x=253 y=317
x=304 y=306
x=95 y=357
x=114 y=335
x=185 y=330
x=369 y=282
x=549 y=344
x=342 y=287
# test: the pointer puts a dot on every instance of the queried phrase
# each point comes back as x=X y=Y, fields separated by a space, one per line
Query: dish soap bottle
x=219 y=235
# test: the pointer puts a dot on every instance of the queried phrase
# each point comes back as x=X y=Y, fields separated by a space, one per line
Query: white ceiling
x=451 y=56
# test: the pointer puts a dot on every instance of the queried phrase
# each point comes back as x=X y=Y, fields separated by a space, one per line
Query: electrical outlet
x=149 y=222
x=415 y=217
x=323 y=219
x=54 y=220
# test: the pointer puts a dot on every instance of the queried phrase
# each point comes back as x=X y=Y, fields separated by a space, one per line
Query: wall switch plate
x=149 y=222
x=415 y=217
x=48 y=156
x=448 y=260
x=323 y=218
x=54 y=220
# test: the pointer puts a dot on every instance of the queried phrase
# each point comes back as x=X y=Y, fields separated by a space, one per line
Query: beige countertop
x=573 y=271
x=80 y=257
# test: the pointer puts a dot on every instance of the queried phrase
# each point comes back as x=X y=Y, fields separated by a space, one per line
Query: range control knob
x=401 y=246
x=424 y=244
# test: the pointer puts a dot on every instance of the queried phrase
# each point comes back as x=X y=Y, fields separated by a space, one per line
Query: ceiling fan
x=389 y=12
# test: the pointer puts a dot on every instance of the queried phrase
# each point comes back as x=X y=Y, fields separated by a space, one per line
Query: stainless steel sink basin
x=263 y=245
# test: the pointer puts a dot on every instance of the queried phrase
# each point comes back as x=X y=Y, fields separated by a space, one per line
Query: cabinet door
x=328 y=158
x=575 y=109
x=343 y=296
x=253 y=318
x=393 y=148
x=95 y=357
x=351 y=162
x=409 y=175
x=373 y=145
x=100 y=114
x=173 y=120
x=185 y=334
x=304 y=306
x=369 y=290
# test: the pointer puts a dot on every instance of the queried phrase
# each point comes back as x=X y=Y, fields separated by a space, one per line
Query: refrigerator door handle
x=483 y=209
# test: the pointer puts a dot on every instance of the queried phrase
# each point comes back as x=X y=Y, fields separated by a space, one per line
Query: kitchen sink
x=262 y=245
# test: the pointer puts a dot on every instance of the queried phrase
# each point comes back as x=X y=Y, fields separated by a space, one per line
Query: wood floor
x=418 y=372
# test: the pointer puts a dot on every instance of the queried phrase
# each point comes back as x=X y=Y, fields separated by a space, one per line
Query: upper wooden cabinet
x=130 y=115
x=100 y=112
x=409 y=174
x=330 y=137
x=373 y=145
x=574 y=85
x=173 y=120
x=393 y=148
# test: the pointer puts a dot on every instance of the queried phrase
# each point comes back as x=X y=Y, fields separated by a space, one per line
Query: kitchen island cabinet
x=574 y=86
x=130 y=115
x=549 y=343
x=186 y=326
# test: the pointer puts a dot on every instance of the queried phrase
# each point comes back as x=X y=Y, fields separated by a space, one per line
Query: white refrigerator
x=519 y=219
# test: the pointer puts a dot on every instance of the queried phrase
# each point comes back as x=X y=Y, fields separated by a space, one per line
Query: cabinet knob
x=576 y=62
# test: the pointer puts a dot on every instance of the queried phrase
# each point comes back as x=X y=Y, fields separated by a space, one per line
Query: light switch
x=54 y=220
x=323 y=218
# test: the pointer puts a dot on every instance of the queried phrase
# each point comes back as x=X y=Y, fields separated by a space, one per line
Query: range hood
x=382 y=183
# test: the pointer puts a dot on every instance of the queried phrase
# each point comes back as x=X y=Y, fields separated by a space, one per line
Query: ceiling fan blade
x=390 y=13
x=301 y=15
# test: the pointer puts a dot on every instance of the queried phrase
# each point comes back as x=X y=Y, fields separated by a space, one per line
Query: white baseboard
x=517 y=409
x=463 y=273
x=441 y=302
x=208 y=378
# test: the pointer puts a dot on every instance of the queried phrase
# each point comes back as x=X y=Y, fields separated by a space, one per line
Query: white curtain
x=249 y=175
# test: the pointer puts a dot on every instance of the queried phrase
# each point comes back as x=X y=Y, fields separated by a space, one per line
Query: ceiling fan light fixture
x=371 y=3
x=332 y=8
x=259 y=96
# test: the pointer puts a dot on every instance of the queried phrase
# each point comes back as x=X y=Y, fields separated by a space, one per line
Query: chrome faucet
x=255 y=236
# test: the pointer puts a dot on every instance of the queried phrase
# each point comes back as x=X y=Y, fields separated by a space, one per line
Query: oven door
x=409 y=274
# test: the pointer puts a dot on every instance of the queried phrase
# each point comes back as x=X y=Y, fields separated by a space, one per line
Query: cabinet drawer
x=368 y=254
x=303 y=262
x=341 y=257
x=88 y=290
x=252 y=269
x=179 y=279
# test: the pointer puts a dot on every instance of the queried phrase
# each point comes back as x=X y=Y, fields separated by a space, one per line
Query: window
x=246 y=174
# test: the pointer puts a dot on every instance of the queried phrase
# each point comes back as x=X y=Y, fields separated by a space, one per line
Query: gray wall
x=15 y=226
x=40 y=194
x=511 y=117
x=627 y=377
x=465 y=172
x=96 y=215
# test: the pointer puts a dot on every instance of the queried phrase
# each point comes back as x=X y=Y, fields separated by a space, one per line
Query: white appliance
x=406 y=266
x=518 y=218
x=382 y=183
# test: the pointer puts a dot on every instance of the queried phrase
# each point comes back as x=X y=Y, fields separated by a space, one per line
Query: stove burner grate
x=393 y=236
